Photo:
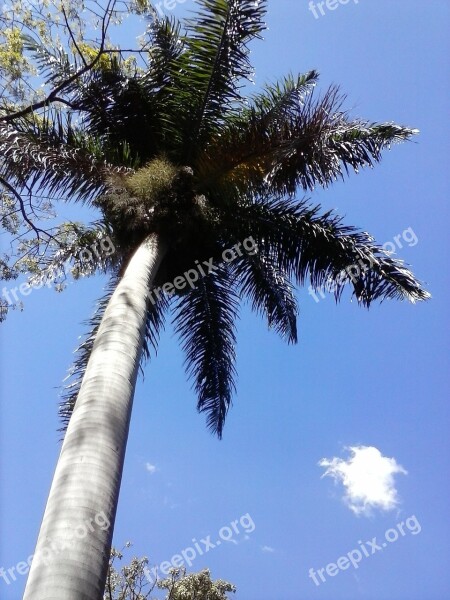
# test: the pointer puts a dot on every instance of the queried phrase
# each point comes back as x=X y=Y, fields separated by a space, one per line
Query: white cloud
x=368 y=479
x=150 y=468
x=267 y=549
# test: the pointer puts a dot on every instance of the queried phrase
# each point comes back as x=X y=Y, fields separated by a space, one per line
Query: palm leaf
x=249 y=132
x=53 y=63
x=63 y=254
x=167 y=45
x=135 y=111
x=121 y=111
x=270 y=292
x=54 y=157
x=304 y=244
x=214 y=64
x=205 y=320
x=154 y=325
x=312 y=142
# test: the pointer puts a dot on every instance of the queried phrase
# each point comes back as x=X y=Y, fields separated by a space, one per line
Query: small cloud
x=267 y=549
x=368 y=478
x=150 y=468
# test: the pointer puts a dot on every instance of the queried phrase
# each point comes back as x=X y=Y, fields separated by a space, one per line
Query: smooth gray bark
x=72 y=552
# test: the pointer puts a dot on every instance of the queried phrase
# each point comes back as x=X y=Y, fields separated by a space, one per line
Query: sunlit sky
x=364 y=393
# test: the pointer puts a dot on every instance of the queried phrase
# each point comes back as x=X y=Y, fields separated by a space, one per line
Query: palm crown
x=176 y=150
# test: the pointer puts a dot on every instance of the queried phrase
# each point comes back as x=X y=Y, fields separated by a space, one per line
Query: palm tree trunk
x=72 y=552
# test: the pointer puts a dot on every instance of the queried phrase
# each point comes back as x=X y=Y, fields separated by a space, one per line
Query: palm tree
x=187 y=173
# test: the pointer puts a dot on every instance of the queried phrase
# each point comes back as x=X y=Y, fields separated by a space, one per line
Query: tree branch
x=72 y=37
x=53 y=95
x=23 y=212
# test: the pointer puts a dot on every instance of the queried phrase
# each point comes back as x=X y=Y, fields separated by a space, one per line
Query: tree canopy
x=159 y=137
x=131 y=582
x=198 y=198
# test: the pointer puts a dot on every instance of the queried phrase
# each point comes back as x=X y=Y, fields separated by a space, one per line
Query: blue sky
x=363 y=379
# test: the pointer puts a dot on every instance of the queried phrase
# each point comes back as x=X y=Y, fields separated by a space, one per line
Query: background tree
x=183 y=169
x=131 y=583
x=36 y=39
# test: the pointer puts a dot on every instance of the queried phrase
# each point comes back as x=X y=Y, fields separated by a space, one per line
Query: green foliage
x=11 y=54
x=215 y=64
x=130 y=582
x=195 y=586
x=158 y=137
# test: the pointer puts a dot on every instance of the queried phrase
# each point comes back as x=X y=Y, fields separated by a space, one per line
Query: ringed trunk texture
x=72 y=552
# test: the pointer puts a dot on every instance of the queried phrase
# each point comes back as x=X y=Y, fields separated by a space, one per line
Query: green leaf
x=205 y=320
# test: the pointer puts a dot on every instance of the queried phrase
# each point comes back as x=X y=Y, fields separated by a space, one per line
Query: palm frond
x=205 y=320
x=166 y=68
x=249 y=133
x=133 y=111
x=54 y=157
x=270 y=292
x=313 y=142
x=53 y=63
x=121 y=112
x=304 y=244
x=156 y=310
x=214 y=64
x=68 y=253
x=166 y=46
x=325 y=143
